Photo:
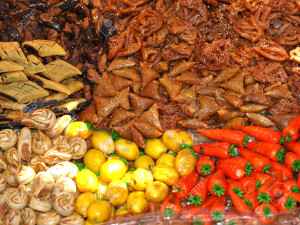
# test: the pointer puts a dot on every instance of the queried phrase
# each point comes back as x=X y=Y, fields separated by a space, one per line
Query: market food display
x=141 y=112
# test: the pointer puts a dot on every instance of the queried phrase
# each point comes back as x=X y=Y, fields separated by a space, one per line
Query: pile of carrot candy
x=255 y=170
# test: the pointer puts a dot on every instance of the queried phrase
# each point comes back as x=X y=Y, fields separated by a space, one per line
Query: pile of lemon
x=119 y=178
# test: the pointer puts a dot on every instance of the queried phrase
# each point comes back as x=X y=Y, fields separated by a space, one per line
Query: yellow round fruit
x=79 y=129
x=136 y=202
x=119 y=158
x=99 y=211
x=101 y=188
x=167 y=159
x=86 y=181
x=113 y=169
x=140 y=179
x=184 y=162
x=126 y=149
x=121 y=210
x=145 y=162
x=165 y=174
x=173 y=139
x=104 y=142
x=82 y=203
x=93 y=159
x=116 y=192
x=155 y=148
x=156 y=191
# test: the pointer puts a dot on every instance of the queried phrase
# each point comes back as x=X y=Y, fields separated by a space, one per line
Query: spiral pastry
x=41 y=143
x=12 y=157
x=39 y=204
x=43 y=184
x=72 y=220
x=41 y=119
x=64 y=185
x=8 y=139
x=63 y=169
x=28 y=216
x=3 y=199
x=9 y=176
x=48 y=218
x=60 y=152
x=64 y=203
x=78 y=144
x=13 y=217
x=17 y=198
x=2 y=183
x=3 y=164
x=59 y=126
x=36 y=164
x=59 y=139
x=24 y=143
x=25 y=174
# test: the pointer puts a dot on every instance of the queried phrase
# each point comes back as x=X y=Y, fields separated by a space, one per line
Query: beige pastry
x=70 y=105
x=8 y=66
x=73 y=84
x=23 y=91
x=49 y=84
x=60 y=70
x=8 y=104
x=11 y=51
x=34 y=65
x=45 y=47
x=11 y=77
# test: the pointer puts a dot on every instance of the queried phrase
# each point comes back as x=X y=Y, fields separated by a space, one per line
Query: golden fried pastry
x=11 y=51
x=34 y=65
x=23 y=91
x=45 y=47
x=60 y=70
x=11 y=77
x=8 y=66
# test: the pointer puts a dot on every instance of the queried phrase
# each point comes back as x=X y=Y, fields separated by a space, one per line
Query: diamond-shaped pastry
x=23 y=91
x=45 y=47
x=11 y=51
x=59 y=70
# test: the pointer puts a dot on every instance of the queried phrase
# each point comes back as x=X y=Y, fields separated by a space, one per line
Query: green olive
x=166 y=158
x=136 y=202
x=155 y=148
x=157 y=191
x=126 y=149
x=116 y=192
x=144 y=161
x=173 y=139
x=165 y=174
x=184 y=162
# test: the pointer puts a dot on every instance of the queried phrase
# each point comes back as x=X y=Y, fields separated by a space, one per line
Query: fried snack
x=60 y=70
x=11 y=51
x=23 y=91
x=11 y=77
x=45 y=47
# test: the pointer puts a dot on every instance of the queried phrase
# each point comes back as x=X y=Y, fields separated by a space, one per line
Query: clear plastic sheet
x=232 y=217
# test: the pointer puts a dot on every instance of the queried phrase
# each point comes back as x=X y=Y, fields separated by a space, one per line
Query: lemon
x=140 y=178
x=86 y=181
x=83 y=202
x=79 y=129
x=103 y=141
x=99 y=211
x=155 y=148
x=113 y=169
x=93 y=159
x=145 y=162
x=126 y=149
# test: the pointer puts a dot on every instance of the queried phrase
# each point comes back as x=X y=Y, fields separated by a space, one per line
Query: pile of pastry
x=32 y=76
